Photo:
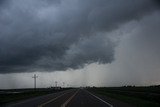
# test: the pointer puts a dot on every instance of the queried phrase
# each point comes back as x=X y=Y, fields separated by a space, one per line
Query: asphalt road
x=37 y=101
x=69 y=98
x=87 y=99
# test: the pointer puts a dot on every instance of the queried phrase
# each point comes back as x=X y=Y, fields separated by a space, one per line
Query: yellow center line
x=43 y=104
x=65 y=103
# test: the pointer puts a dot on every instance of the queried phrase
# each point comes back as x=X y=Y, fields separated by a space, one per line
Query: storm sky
x=80 y=42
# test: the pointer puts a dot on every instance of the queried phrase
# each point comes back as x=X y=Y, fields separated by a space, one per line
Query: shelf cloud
x=56 y=35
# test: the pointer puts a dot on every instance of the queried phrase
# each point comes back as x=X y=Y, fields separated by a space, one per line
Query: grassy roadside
x=138 y=102
x=133 y=101
x=16 y=97
x=4 y=99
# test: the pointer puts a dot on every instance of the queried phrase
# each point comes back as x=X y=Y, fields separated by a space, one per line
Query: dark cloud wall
x=51 y=35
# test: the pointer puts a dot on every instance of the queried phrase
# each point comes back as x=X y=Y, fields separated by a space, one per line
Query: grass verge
x=130 y=100
x=16 y=97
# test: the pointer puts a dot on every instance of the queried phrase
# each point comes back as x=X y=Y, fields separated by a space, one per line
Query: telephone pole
x=56 y=83
x=63 y=84
x=35 y=77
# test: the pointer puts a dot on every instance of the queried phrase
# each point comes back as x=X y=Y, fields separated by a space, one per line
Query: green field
x=15 y=95
x=137 y=96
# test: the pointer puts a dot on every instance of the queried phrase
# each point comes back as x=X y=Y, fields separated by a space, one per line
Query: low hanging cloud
x=51 y=35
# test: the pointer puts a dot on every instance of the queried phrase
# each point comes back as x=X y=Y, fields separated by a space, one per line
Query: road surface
x=69 y=98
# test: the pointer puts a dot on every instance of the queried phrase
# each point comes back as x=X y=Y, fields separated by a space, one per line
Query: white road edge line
x=100 y=99
x=65 y=103
x=43 y=104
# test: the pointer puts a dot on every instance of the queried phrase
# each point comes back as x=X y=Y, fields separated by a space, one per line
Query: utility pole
x=35 y=77
x=63 y=84
x=56 y=83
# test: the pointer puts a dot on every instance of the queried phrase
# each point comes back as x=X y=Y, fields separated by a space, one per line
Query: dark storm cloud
x=60 y=34
x=2 y=2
